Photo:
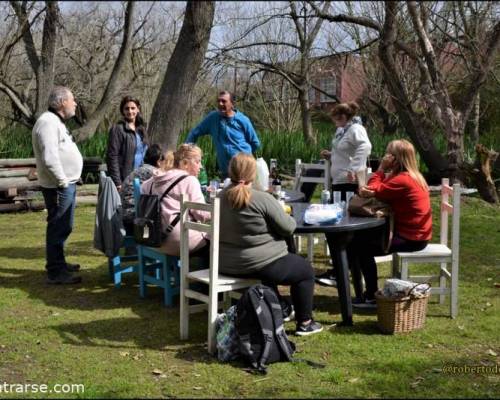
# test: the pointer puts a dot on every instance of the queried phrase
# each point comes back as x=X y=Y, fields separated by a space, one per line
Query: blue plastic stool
x=159 y=269
x=115 y=264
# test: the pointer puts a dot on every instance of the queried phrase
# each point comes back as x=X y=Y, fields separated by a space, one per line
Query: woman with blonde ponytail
x=242 y=172
x=399 y=183
x=253 y=232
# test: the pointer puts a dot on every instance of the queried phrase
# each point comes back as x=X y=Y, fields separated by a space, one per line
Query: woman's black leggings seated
x=294 y=271
x=368 y=244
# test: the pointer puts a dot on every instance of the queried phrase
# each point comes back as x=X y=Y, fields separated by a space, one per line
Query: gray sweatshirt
x=252 y=237
x=58 y=160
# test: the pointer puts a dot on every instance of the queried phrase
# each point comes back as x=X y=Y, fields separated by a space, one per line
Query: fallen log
x=13 y=172
x=17 y=162
x=19 y=183
x=22 y=206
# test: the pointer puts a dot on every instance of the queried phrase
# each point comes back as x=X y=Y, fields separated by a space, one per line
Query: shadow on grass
x=82 y=248
x=147 y=331
x=96 y=292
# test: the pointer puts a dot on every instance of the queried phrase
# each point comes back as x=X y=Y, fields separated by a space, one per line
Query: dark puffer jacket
x=121 y=150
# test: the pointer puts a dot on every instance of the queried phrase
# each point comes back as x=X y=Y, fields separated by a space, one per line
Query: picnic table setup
x=338 y=235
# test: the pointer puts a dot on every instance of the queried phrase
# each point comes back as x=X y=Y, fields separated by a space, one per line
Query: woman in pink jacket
x=187 y=164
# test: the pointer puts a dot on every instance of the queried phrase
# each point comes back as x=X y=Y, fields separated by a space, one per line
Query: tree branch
x=22 y=17
x=90 y=126
x=20 y=33
x=16 y=100
x=478 y=79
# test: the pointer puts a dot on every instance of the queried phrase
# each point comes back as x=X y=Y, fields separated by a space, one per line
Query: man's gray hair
x=57 y=96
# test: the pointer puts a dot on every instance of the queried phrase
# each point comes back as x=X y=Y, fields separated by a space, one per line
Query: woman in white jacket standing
x=350 y=150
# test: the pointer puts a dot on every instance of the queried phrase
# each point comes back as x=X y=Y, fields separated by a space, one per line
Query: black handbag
x=148 y=229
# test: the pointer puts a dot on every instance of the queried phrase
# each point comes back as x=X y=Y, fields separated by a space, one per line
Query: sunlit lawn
x=119 y=345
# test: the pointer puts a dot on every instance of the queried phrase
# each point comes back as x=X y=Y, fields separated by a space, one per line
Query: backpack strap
x=180 y=178
x=174 y=222
x=266 y=325
x=246 y=349
x=245 y=343
x=279 y=330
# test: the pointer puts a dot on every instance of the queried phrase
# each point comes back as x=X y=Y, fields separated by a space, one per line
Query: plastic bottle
x=273 y=163
x=202 y=176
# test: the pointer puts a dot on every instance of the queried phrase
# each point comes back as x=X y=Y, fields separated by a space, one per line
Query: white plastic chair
x=325 y=180
x=438 y=252
x=217 y=283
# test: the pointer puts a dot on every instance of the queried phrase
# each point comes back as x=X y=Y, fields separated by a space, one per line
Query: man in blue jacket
x=232 y=131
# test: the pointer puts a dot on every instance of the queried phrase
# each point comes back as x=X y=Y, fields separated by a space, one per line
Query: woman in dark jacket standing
x=127 y=142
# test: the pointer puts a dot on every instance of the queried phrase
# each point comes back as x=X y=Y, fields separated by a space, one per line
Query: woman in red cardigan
x=398 y=183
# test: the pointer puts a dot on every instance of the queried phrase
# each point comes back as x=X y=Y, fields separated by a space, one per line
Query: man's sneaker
x=326 y=279
x=72 y=267
x=64 y=278
x=310 y=329
x=364 y=303
x=290 y=316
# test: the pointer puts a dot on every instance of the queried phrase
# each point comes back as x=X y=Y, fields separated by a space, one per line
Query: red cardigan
x=410 y=203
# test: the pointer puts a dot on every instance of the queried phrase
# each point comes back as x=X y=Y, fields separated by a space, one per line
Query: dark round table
x=293 y=196
x=338 y=237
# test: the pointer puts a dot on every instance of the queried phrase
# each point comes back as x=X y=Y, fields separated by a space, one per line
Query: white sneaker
x=290 y=317
x=326 y=279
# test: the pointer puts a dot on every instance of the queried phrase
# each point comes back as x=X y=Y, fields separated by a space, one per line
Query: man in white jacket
x=59 y=166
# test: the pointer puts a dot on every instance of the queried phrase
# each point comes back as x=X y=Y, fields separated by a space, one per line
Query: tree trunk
x=90 y=127
x=305 y=112
x=475 y=120
x=180 y=78
x=414 y=123
x=43 y=65
x=45 y=71
x=482 y=174
x=455 y=155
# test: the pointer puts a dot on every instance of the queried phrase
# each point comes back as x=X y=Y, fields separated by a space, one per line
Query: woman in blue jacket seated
x=253 y=226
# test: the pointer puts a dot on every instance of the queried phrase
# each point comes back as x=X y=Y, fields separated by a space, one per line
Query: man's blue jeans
x=60 y=205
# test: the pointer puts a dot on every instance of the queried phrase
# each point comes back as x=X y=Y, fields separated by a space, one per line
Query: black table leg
x=357 y=279
x=337 y=242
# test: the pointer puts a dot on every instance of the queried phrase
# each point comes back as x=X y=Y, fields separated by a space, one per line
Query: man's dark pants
x=60 y=204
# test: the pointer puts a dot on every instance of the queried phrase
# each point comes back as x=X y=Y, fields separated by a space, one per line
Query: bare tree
x=183 y=67
x=42 y=63
x=90 y=126
x=280 y=40
x=419 y=44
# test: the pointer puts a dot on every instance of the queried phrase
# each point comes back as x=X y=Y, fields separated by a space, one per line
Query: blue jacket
x=229 y=135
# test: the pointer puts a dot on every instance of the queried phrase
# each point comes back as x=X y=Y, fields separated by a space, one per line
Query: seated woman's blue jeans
x=60 y=205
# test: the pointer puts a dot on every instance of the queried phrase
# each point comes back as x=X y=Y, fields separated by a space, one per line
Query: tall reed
x=15 y=142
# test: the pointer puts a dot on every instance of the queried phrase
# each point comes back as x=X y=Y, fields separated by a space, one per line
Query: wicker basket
x=401 y=315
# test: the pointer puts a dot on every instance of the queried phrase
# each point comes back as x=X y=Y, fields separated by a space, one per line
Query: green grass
x=111 y=341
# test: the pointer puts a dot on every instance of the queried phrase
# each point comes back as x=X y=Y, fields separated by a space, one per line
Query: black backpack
x=259 y=325
x=147 y=224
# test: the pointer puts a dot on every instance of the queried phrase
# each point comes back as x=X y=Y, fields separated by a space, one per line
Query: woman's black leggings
x=294 y=271
x=367 y=244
